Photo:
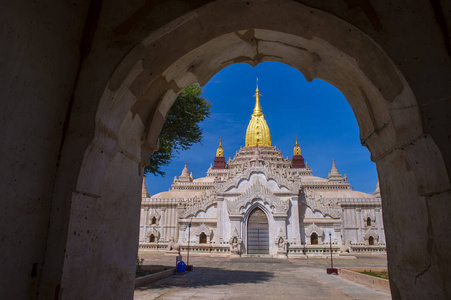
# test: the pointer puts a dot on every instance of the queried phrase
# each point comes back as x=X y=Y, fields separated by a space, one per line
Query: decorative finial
x=144 y=191
x=258 y=109
x=220 y=151
x=257 y=130
x=297 y=149
x=333 y=173
x=185 y=172
x=377 y=192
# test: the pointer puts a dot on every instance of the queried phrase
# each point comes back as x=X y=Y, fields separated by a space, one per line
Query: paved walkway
x=259 y=278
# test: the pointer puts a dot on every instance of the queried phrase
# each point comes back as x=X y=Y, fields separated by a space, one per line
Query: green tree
x=181 y=129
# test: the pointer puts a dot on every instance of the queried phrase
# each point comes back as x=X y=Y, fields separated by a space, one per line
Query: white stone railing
x=368 y=249
x=160 y=201
x=360 y=201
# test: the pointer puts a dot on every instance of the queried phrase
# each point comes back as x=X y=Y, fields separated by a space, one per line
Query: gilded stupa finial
x=296 y=149
x=220 y=151
x=257 y=130
x=257 y=109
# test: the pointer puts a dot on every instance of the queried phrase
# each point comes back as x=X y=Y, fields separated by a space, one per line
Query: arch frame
x=153 y=231
x=313 y=228
x=257 y=204
x=125 y=136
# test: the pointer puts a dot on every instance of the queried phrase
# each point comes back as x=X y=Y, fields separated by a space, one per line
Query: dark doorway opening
x=314 y=239
x=257 y=233
x=202 y=238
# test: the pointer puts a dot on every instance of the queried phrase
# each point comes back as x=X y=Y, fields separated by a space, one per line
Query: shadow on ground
x=204 y=277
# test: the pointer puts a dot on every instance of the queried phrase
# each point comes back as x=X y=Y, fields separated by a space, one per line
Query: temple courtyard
x=259 y=278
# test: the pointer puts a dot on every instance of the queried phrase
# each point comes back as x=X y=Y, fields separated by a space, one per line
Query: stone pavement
x=259 y=278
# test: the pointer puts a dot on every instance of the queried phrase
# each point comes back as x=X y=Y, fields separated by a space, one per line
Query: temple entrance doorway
x=257 y=233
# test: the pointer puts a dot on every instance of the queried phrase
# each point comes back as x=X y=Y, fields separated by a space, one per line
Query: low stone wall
x=143 y=280
x=368 y=280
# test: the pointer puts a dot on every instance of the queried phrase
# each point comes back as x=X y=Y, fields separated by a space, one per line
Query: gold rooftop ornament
x=297 y=149
x=257 y=130
x=220 y=151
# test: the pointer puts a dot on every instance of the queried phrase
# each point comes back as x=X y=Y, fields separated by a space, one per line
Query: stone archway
x=110 y=139
x=373 y=89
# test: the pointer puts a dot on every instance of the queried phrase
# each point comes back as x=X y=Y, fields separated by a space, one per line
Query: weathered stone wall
x=85 y=91
x=39 y=59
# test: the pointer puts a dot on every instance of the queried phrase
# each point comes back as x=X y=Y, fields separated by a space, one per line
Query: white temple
x=260 y=203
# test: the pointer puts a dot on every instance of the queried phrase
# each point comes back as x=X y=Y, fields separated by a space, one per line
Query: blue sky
x=314 y=112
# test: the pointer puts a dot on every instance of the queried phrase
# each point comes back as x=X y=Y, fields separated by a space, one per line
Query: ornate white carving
x=195 y=205
x=313 y=228
x=257 y=191
x=235 y=177
x=235 y=242
x=372 y=233
x=370 y=215
x=280 y=241
x=329 y=207
x=203 y=228
x=153 y=231
x=155 y=214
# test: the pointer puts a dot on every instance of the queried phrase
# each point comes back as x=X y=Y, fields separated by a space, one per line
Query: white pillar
x=146 y=212
x=295 y=221
x=220 y=220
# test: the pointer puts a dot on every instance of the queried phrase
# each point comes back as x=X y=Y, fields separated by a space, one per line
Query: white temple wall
x=359 y=224
x=200 y=214
x=355 y=224
x=189 y=235
x=351 y=235
x=351 y=228
x=380 y=225
x=171 y=231
x=166 y=223
x=310 y=214
x=142 y=224
x=212 y=212
x=183 y=234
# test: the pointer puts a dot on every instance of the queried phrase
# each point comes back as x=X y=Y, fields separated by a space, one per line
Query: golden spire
x=220 y=151
x=297 y=149
x=257 y=109
x=257 y=130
